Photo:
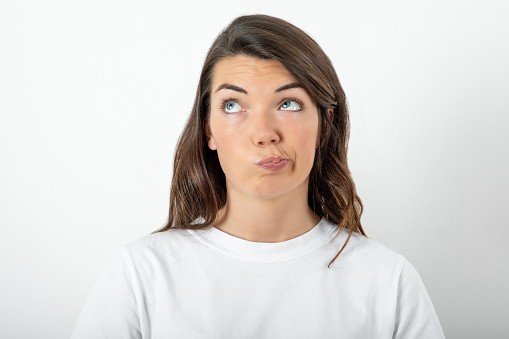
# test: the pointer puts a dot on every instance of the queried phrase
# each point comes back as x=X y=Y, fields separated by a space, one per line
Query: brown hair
x=198 y=186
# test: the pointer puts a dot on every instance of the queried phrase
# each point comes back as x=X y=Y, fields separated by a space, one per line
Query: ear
x=210 y=140
x=331 y=114
x=331 y=117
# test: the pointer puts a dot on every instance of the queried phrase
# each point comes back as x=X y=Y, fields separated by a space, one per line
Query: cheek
x=219 y=133
x=225 y=138
x=309 y=142
x=304 y=147
x=227 y=144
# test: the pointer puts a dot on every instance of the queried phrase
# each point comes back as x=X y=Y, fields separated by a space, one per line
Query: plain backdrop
x=94 y=94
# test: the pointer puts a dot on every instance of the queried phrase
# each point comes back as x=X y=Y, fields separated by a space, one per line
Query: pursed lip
x=272 y=158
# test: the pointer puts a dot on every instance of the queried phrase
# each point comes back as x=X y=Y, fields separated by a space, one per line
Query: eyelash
x=296 y=100
x=224 y=102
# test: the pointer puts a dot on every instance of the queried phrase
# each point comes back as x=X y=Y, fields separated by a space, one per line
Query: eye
x=231 y=106
x=291 y=105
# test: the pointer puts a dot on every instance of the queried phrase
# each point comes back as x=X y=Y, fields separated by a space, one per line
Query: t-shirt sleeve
x=415 y=315
x=111 y=308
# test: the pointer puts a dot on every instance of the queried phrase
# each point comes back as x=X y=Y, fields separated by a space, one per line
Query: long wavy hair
x=198 y=188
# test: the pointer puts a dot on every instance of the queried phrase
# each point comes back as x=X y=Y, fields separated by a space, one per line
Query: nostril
x=264 y=140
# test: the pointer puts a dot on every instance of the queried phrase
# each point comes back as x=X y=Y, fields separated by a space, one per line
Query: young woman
x=264 y=238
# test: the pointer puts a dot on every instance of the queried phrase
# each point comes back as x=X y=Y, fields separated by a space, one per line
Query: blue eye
x=291 y=105
x=232 y=107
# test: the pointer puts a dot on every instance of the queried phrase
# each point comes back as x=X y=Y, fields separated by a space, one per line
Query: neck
x=267 y=220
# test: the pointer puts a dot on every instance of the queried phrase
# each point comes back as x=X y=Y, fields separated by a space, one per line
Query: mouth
x=273 y=163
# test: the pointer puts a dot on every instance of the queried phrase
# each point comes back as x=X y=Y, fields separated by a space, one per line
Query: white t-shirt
x=208 y=284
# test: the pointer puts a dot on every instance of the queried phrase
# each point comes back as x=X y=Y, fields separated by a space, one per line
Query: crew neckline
x=263 y=252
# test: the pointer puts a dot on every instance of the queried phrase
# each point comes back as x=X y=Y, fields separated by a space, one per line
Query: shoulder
x=172 y=243
x=377 y=267
x=390 y=276
x=371 y=249
x=367 y=253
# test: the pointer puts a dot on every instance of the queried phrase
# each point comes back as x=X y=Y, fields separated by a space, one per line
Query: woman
x=262 y=205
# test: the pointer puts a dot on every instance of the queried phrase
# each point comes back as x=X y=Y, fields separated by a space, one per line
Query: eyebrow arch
x=288 y=86
x=232 y=87
x=241 y=90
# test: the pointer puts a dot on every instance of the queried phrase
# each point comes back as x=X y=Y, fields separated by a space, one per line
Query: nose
x=264 y=129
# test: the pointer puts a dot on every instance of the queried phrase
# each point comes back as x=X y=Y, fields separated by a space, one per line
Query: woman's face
x=264 y=127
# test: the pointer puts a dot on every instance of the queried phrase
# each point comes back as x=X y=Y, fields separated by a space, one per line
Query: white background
x=94 y=94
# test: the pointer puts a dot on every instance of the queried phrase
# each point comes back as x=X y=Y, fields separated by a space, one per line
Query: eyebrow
x=241 y=90
x=232 y=87
x=288 y=86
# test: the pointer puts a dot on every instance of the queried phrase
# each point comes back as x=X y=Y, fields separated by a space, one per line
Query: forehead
x=247 y=71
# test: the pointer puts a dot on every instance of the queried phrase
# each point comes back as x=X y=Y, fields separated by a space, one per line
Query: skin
x=262 y=206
